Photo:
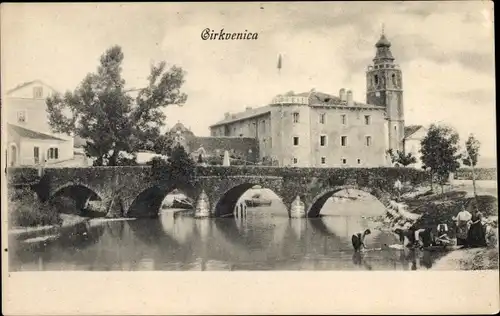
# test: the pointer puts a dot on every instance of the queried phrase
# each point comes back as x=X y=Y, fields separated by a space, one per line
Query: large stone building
x=29 y=136
x=242 y=150
x=315 y=129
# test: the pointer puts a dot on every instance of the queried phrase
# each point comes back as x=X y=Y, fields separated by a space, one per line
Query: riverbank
x=424 y=209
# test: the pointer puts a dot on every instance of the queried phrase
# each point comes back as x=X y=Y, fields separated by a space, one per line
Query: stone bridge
x=138 y=191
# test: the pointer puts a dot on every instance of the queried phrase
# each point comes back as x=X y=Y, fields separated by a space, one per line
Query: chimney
x=342 y=94
x=226 y=115
x=248 y=108
x=350 y=102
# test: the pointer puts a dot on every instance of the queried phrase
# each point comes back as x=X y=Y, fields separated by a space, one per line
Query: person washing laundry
x=358 y=240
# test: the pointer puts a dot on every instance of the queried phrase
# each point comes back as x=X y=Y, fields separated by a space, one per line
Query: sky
x=445 y=50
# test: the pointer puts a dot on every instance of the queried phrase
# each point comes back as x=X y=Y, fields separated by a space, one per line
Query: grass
x=25 y=210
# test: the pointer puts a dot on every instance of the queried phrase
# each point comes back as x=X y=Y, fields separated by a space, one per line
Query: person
x=442 y=238
x=423 y=237
x=406 y=236
x=476 y=236
x=462 y=221
x=358 y=240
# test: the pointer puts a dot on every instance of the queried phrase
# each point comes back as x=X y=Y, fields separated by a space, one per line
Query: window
x=264 y=126
x=394 y=80
x=323 y=160
x=367 y=120
x=296 y=117
x=376 y=79
x=343 y=141
x=53 y=153
x=21 y=116
x=37 y=92
x=344 y=161
x=359 y=161
x=395 y=127
x=36 y=155
x=322 y=140
x=344 y=119
x=322 y=118
x=295 y=160
x=368 y=140
x=296 y=141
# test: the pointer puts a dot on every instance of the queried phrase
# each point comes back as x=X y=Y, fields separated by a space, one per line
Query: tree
x=439 y=150
x=470 y=157
x=179 y=167
x=101 y=111
x=401 y=158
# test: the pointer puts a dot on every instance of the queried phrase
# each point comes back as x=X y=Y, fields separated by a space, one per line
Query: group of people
x=470 y=232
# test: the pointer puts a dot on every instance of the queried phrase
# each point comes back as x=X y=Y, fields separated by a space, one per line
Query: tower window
x=368 y=141
x=322 y=118
x=296 y=141
x=295 y=160
x=367 y=120
x=376 y=79
x=359 y=161
x=394 y=80
x=296 y=117
x=343 y=118
x=344 y=161
x=343 y=141
x=323 y=160
x=322 y=140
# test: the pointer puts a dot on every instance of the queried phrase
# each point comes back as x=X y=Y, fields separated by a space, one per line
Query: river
x=266 y=239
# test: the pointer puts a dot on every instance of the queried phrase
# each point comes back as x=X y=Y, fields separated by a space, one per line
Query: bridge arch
x=81 y=194
x=225 y=205
x=320 y=199
x=149 y=201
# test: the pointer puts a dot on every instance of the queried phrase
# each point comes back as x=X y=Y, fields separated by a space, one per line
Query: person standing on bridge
x=358 y=240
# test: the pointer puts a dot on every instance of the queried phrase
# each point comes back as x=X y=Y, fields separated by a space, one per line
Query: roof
x=249 y=113
x=412 y=129
x=24 y=84
x=325 y=99
x=27 y=133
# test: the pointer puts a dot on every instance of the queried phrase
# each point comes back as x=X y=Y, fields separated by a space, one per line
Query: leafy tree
x=401 y=158
x=179 y=167
x=439 y=150
x=470 y=157
x=102 y=112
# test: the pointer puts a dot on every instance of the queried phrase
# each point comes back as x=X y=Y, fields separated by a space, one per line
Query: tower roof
x=383 y=42
x=384 y=53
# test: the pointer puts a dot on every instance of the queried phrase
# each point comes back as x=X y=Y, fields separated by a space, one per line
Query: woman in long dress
x=462 y=220
x=476 y=236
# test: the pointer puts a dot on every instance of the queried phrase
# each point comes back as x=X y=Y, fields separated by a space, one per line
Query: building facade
x=412 y=142
x=29 y=136
x=315 y=129
x=241 y=149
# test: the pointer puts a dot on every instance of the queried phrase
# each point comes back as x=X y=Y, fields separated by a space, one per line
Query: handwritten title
x=208 y=34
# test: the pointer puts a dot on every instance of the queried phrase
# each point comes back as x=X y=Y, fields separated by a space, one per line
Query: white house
x=29 y=136
x=413 y=136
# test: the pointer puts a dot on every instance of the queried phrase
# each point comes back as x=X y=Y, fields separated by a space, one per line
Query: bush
x=26 y=210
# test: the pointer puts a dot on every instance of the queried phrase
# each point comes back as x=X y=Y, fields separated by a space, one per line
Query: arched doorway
x=12 y=155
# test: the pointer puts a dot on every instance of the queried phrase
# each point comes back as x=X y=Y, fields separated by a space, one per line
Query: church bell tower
x=384 y=87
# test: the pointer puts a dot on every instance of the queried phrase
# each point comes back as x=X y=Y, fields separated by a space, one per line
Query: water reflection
x=261 y=241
